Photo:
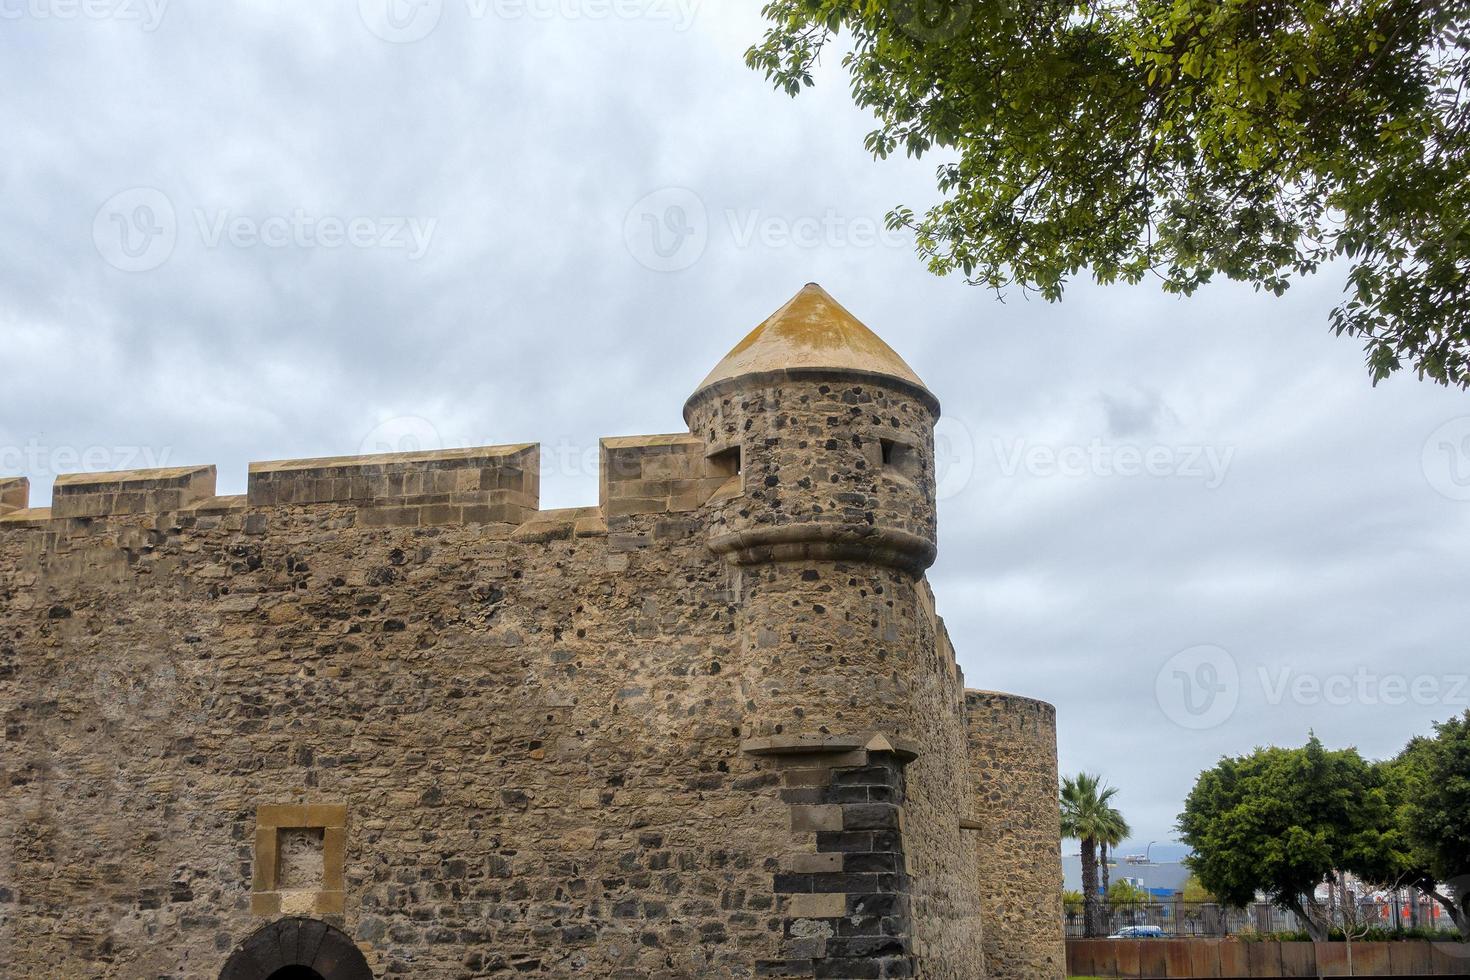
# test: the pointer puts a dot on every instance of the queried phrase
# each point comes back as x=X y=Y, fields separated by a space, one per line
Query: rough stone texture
x=133 y=492
x=829 y=469
x=300 y=858
x=1013 y=767
x=709 y=728
x=15 y=494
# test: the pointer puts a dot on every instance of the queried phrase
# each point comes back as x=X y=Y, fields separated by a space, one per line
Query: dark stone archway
x=297 y=949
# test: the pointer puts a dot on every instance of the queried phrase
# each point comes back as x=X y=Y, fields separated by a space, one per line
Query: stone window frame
x=266 y=897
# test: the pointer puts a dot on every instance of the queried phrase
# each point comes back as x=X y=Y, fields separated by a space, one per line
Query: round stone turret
x=832 y=435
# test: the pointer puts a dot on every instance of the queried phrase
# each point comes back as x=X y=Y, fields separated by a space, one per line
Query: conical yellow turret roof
x=812 y=332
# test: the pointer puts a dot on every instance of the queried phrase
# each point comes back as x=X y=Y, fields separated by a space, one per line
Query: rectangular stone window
x=726 y=462
x=300 y=852
x=901 y=459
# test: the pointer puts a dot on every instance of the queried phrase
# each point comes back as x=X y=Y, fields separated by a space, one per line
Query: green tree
x=1283 y=821
x=1195 y=893
x=1124 y=896
x=1430 y=780
x=1086 y=815
x=1072 y=903
x=1180 y=139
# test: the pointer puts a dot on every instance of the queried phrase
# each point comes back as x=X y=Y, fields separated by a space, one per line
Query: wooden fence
x=1236 y=960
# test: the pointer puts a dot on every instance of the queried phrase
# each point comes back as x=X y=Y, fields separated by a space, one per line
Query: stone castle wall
x=482 y=739
x=1013 y=770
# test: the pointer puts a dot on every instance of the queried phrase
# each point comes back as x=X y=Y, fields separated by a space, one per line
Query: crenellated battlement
x=656 y=474
x=489 y=485
x=660 y=475
x=726 y=676
x=130 y=491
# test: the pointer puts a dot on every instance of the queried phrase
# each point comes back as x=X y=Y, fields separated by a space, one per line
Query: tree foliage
x=1182 y=139
x=1430 y=781
x=1195 y=893
x=1283 y=821
x=1127 y=896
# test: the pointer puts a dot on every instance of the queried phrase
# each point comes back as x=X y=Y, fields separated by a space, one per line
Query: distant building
x=1161 y=878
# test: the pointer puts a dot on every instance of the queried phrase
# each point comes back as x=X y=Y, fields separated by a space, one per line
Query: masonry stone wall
x=389 y=700
x=1013 y=775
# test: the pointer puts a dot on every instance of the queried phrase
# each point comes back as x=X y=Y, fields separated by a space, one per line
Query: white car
x=1138 y=932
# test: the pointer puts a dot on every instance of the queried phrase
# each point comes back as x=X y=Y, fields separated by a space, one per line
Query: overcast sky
x=250 y=231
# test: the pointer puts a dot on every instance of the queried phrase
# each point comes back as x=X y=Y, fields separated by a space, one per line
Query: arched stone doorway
x=297 y=949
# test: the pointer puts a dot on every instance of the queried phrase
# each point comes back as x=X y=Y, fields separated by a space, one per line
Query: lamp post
x=1147 y=862
x=1148 y=895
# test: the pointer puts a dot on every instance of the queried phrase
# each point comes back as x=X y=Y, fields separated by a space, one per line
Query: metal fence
x=1183 y=920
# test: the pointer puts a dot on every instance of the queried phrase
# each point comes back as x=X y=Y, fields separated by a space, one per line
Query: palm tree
x=1088 y=818
x=1109 y=835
